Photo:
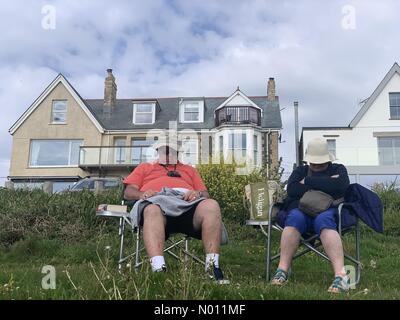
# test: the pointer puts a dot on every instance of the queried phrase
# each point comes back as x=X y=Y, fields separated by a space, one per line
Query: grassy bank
x=61 y=230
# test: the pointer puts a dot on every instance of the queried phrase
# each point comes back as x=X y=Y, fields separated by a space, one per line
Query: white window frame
x=234 y=149
x=182 y=111
x=332 y=141
x=55 y=166
x=148 y=147
x=393 y=149
x=255 y=149
x=52 y=121
x=196 y=141
x=119 y=150
x=153 y=110
x=393 y=117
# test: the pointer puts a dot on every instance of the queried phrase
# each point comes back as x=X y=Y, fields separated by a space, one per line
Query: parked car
x=89 y=183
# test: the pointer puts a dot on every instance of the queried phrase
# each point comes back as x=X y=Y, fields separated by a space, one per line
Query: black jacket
x=322 y=181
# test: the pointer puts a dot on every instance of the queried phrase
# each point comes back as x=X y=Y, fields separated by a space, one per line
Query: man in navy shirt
x=321 y=174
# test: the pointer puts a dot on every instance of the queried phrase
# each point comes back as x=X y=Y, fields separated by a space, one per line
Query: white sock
x=157 y=262
x=212 y=259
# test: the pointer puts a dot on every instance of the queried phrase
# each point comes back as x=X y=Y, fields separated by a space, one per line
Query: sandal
x=280 y=278
x=340 y=284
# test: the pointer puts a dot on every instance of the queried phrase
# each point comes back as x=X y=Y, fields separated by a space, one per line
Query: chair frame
x=182 y=245
x=268 y=226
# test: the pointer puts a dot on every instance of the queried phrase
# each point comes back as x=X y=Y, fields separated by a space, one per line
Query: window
x=191 y=111
x=394 y=99
x=332 y=146
x=53 y=153
x=119 y=150
x=142 y=150
x=144 y=113
x=255 y=142
x=238 y=145
x=189 y=151
x=389 y=151
x=59 y=111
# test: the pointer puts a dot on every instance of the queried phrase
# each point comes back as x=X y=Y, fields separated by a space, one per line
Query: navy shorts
x=181 y=224
x=304 y=223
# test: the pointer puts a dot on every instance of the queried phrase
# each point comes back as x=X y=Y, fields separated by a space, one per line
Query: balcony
x=95 y=158
x=237 y=115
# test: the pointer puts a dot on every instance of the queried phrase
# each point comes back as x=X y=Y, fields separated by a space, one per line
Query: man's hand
x=147 y=194
x=191 y=195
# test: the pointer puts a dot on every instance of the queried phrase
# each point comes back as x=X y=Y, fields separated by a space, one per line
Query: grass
x=86 y=267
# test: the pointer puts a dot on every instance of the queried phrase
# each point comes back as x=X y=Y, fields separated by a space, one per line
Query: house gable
x=59 y=80
x=238 y=98
x=376 y=108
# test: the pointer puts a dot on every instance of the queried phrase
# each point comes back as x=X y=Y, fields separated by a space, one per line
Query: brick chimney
x=110 y=92
x=271 y=89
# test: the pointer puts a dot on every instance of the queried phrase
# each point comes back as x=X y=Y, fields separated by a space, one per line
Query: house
x=62 y=137
x=370 y=144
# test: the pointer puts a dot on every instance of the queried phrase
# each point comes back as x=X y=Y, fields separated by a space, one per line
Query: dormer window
x=191 y=111
x=144 y=113
x=59 y=111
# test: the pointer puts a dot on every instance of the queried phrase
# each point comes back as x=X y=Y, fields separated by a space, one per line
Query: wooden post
x=9 y=185
x=48 y=187
x=98 y=186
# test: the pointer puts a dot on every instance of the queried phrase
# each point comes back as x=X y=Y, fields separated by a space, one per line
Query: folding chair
x=312 y=242
x=172 y=246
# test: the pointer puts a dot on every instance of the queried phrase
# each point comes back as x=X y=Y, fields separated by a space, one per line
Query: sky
x=328 y=55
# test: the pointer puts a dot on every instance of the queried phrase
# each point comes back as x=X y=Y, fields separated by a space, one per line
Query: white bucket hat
x=317 y=152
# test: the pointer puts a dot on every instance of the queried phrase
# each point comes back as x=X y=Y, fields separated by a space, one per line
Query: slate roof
x=121 y=117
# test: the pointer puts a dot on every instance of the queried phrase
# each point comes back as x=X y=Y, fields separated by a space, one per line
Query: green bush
x=68 y=216
x=389 y=195
x=227 y=187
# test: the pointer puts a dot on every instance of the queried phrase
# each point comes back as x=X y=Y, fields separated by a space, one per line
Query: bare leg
x=154 y=230
x=289 y=243
x=332 y=244
x=207 y=218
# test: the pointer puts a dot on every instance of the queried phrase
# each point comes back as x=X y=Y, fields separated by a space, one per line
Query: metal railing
x=238 y=115
x=115 y=156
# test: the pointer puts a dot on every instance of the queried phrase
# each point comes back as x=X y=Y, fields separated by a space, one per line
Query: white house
x=370 y=144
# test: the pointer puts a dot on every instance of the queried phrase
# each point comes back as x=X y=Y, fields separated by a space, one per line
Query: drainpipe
x=267 y=150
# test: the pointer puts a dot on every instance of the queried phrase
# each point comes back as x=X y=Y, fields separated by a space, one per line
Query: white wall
x=358 y=146
x=378 y=114
x=355 y=147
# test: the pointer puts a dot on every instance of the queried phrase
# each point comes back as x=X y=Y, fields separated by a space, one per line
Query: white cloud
x=170 y=48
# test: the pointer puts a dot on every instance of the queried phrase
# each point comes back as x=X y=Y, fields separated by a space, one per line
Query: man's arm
x=195 y=194
x=132 y=193
x=204 y=194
